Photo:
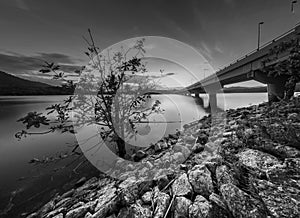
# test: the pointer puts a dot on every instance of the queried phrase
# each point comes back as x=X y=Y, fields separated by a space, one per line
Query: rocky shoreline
x=243 y=165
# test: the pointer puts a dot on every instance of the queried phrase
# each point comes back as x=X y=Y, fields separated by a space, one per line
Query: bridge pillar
x=276 y=90
x=213 y=102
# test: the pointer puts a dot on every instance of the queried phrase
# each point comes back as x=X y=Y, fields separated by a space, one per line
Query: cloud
x=229 y=2
x=205 y=50
x=21 y=4
x=16 y=63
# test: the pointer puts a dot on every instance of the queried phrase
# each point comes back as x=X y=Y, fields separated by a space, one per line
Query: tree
x=289 y=67
x=112 y=92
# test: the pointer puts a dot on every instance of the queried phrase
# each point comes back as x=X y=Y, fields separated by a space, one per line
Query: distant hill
x=239 y=89
x=12 y=85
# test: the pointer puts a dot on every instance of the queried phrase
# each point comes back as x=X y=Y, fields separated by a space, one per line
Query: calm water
x=18 y=175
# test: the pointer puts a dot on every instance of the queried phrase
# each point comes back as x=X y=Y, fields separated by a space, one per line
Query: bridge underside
x=276 y=86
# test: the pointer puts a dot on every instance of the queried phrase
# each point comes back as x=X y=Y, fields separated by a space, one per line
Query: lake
x=23 y=183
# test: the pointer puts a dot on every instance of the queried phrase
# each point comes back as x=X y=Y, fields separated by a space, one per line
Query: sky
x=220 y=31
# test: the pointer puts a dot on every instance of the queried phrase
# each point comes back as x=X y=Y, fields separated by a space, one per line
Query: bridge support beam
x=213 y=102
x=276 y=91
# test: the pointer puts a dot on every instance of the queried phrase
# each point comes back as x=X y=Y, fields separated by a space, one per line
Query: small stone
x=56 y=212
x=139 y=155
x=227 y=134
x=68 y=194
x=77 y=212
x=178 y=158
x=88 y=215
x=202 y=139
x=47 y=208
x=80 y=182
x=217 y=200
x=162 y=181
x=157 y=147
x=147 y=197
x=66 y=202
x=182 y=149
x=61 y=215
x=183 y=167
x=197 y=148
x=190 y=139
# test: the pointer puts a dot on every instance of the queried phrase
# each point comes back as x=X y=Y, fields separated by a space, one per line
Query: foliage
x=289 y=67
x=112 y=93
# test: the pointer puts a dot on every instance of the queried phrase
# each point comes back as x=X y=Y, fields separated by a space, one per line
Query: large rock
x=183 y=149
x=132 y=188
x=55 y=212
x=66 y=202
x=240 y=203
x=200 y=179
x=77 y=212
x=162 y=201
x=182 y=186
x=107 y=201
x=201 y=208
x=257 y=159
x=147 y=197
x=224 y=176
x=47 y=208
x=177 y=158
x=282 y=199
x=138 y=211
x=181 y=208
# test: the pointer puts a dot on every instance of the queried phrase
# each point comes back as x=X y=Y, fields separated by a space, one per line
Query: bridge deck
x=243 y=69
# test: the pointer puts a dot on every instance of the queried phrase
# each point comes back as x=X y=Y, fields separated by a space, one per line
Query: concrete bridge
x=249 y=68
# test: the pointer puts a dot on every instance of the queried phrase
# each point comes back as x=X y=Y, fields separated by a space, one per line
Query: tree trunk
x=121 y=147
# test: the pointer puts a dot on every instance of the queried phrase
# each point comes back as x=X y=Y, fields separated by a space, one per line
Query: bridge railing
x=252 y=52
x=261 y=47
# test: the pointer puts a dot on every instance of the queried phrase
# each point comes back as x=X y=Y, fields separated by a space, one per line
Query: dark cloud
x=18 y=64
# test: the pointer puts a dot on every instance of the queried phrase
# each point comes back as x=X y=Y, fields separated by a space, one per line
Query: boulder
x=200 y=179
x=183 y=149
x=181 y=207
x=138 y=211
x=147 y=197
x=107 y=201
x=224 y=176
x=182 y=186
x=161 y=201
x=240 y=203
x=201 y=208
x=55 y=212
x=257 y=159
x=77 y=212
x=281 y=198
